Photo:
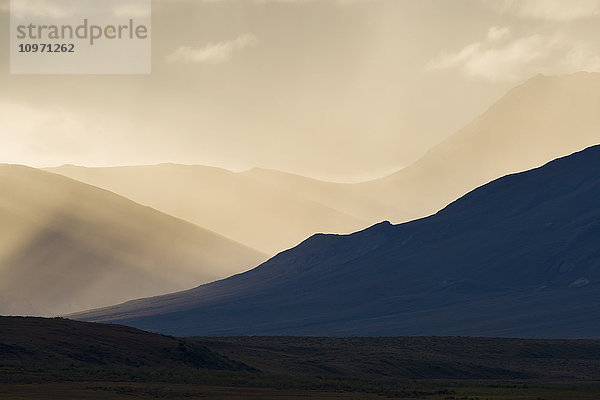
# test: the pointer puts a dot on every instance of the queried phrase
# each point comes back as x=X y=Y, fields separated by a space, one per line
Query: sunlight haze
x=337 y=90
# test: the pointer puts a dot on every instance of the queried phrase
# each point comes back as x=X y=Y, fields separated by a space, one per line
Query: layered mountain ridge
x=542 y=119
x=519 y=256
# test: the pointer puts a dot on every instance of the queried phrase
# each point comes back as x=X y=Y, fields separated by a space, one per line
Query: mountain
x=544 y=118
x=519 y=256
x=68 y=246
x=262 y=215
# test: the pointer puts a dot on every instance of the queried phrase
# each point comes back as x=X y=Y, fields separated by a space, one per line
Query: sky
x=342 y=90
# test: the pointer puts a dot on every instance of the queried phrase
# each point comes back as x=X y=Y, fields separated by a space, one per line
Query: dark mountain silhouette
x=67 y=246
x=519 y=256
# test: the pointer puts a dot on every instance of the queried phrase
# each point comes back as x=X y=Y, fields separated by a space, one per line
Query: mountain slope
x=263 y=216
x=517 y=257
x=68 y=246
x=341 y=196
x=544 y=118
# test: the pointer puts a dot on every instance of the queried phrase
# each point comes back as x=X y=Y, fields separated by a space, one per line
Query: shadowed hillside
x=57 y=358
x=517 y=257
x=58 y=343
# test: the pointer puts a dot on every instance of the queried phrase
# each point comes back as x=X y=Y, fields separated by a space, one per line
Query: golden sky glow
x=341 y=90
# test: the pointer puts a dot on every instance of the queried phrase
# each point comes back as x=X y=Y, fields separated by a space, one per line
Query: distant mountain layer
x=544 y=118
x=68 y=246
x=263 y=215
x=538 y=121
x=517 y=257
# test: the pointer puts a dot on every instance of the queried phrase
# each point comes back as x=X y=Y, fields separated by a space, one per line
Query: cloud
x=498 y=59
x=42 y=134
x=132 y=9
x=496 y=33
x=278 y=1
x=549 y=10
x=40 y=8
x=214 y=53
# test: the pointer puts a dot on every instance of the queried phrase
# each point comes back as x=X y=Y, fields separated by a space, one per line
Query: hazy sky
x=337 y=89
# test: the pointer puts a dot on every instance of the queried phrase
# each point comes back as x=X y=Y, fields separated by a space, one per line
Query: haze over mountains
x=260 y=214
x=519 y=256
x=68 y=246
x=542 y=119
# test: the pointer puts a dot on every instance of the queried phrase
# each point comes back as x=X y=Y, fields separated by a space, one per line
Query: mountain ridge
x=446 y=274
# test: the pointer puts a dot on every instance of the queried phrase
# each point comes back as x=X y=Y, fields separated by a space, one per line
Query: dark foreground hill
x=377 y=358
x=57 y=358
x=519 y=257
x=54 y=345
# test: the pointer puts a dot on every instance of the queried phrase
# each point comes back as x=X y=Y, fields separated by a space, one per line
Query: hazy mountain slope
x=68 y=246
x=545 y=118
x=517 y=257
x=341 y=196
x=259 y=215
x=542 y=119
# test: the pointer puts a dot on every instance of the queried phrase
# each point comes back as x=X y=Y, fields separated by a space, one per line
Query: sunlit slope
x=518 y=257
x=66 y=246
x=544 y=118
x=265 y=216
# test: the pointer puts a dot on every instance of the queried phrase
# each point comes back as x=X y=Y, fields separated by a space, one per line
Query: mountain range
x=518 y=257
x=69 y=246
x=542 y=119
x=259 y=213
